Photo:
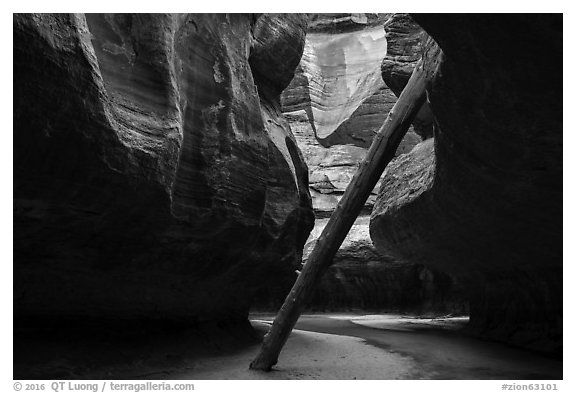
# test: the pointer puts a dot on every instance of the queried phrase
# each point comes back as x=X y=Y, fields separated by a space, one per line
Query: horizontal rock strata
x=338 y=82
x=361 y=278
x=406 y=41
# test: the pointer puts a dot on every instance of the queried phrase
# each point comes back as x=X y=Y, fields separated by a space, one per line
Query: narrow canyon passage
x=173 y=173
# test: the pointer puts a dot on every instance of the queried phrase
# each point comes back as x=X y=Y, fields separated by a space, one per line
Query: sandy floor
x=323 y=346
x=438 y=350
x=310 y=355
x=333 y=346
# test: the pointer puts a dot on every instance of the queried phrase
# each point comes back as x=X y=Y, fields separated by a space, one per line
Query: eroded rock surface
x=154 y=174
x=337 y=100
x=361 y=277
x=330 y=169
x=485 y=202
x=406 y=43
x=339 y=83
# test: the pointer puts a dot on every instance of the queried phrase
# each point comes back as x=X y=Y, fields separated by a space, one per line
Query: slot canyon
x=173 y=172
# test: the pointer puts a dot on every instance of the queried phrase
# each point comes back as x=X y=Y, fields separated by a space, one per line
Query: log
x=381 y=152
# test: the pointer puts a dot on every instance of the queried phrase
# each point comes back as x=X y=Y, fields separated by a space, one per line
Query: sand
x=377 y=347
x=436 y=346
x=310 y=355
x=323 y=346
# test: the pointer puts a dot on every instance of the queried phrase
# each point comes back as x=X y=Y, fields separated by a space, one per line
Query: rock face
x=483 y=201
x=339 y=75
x=338 y=82
x=337 y=100
x=361 y=278
x=330 y=169
x=344 y=23
x=406 y=41
x=154 y=174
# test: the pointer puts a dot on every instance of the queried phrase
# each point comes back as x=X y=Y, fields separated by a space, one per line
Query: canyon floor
x=350 y=346
x=323 y=346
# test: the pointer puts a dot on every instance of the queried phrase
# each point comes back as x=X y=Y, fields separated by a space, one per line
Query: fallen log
x=381 y=152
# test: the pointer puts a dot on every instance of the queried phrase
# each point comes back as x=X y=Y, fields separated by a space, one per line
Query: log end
x=261 y=364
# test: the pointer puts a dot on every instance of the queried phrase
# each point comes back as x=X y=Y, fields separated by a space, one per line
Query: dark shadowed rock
x=151 y=179
x=277 y=49
x=363 y=278
x=406 y=42
x=490 y=211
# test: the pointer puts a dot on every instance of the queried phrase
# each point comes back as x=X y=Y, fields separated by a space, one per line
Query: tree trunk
x=379 y=155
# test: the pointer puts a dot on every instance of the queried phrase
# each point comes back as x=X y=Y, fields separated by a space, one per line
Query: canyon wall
x=154 y=173
x=338 y=100
x=482 y=201
x=406 y=43
x=338 y=87
x=335 y=104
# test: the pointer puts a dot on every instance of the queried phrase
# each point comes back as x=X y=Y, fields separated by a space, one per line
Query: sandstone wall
x=483 y=201
x=154 y=174
x=338 y=82
x=335 y=104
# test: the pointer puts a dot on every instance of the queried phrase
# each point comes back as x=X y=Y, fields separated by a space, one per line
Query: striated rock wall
x=339 y=78
x=154 y=174
x=338 y=82
x=484 y=200
x=344 y=22
x=361 y=277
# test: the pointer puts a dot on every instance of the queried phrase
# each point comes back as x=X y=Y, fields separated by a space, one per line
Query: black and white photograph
x=286 y=196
